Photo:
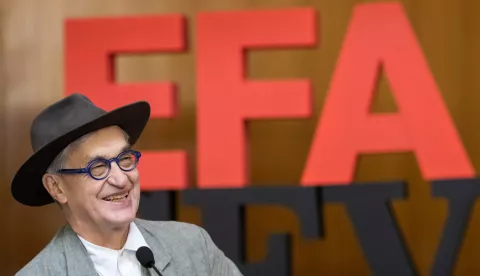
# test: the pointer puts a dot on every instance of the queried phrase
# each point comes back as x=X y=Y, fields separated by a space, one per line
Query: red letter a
x=380 y=34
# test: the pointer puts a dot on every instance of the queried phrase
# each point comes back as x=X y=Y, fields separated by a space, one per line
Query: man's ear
x=51 y=182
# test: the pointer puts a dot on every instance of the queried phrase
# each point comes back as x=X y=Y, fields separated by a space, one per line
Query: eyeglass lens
x=101 y=168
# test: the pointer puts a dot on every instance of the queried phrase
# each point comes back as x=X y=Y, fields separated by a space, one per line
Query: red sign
x=379 y=36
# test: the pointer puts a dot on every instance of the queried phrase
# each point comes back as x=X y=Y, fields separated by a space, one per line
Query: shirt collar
x=135 y=238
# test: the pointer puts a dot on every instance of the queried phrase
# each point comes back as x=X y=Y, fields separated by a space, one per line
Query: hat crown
x=62 y=117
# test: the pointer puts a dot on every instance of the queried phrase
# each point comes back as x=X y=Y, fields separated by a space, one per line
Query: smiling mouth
x=117 y=198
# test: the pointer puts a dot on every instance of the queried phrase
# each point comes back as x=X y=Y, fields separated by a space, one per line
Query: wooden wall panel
x=31 y=68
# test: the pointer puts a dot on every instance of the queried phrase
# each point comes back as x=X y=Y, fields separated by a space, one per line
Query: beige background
x=31 y=77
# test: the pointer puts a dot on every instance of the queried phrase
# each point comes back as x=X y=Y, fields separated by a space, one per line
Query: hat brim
x=27 y=187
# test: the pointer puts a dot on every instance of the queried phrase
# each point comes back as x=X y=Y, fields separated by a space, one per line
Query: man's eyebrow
x=89 y=158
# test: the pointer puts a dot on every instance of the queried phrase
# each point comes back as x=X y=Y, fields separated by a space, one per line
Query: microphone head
x=145 y=257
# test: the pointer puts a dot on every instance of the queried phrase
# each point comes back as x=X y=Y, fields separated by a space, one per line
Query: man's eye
x=98 y=164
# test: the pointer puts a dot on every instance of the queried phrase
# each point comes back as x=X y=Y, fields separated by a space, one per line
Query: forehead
x=107 y=143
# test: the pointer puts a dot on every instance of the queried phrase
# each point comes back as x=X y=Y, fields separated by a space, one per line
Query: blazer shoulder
x=181 y=236
x=51 y=256
x=172 y=229
x=189 y=241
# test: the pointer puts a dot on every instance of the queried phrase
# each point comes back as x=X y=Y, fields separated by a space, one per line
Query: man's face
x=90 y=200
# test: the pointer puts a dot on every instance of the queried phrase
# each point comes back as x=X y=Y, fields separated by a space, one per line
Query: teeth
x=116 y=198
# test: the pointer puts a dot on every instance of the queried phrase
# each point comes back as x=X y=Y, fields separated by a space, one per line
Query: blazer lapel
x=78 y=261
x=162 y=257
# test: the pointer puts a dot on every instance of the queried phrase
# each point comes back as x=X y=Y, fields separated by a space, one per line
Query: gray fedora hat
x=59 y=125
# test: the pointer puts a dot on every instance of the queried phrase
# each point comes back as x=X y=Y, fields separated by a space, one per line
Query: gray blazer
x=180 y=249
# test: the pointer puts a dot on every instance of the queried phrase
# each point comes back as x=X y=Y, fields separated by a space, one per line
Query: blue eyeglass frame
x=86 y=170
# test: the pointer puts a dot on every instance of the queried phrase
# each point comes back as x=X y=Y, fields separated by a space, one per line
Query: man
x=84 y=162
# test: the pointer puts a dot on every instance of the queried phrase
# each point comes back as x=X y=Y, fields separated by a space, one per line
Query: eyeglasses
x=100 y=168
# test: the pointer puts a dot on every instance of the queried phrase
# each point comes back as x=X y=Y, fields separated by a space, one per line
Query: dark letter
x=223 y=218
x=157 y=205
x=371 y=213
x=462 y=195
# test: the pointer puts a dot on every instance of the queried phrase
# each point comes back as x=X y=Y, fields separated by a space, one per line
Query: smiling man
x=83 y=160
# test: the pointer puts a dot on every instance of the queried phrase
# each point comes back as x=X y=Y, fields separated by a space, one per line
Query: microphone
x=146 y=259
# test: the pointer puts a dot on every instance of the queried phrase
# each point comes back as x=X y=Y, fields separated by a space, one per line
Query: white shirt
x=123 y=262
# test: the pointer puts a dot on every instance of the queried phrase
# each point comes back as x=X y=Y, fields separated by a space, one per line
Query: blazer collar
x=78 y=263
x=162 y=257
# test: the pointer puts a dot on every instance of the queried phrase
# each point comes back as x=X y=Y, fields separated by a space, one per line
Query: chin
x=122 y=219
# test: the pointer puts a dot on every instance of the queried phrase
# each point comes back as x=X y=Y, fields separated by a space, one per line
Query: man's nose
x=117 y=177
